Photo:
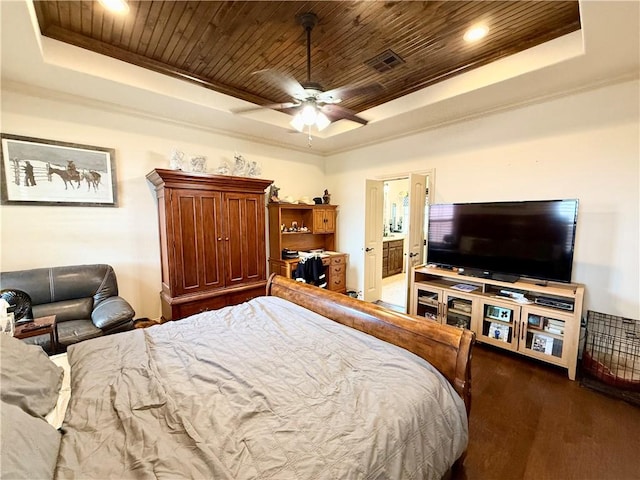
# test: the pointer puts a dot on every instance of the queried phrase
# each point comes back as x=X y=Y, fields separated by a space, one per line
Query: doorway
x=395 y=223
x=394 y=236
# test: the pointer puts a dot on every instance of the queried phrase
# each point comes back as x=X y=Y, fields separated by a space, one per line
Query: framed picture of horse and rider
x=36 y=171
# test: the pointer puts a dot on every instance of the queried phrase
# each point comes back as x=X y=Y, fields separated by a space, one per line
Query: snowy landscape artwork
x=46 y=172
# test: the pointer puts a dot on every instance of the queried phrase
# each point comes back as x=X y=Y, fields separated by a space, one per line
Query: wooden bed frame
x=446 y=348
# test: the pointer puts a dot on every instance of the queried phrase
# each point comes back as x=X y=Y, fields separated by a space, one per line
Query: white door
x=373 y=231
x=415 y=235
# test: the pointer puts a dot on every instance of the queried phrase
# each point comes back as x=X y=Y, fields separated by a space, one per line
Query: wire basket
x=612 y=350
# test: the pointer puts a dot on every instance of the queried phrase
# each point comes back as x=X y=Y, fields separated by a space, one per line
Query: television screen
x=532 y=238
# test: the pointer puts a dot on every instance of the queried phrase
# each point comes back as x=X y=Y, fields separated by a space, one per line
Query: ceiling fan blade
x=287 y=84
x=273 y=106
x=349 y=91
x=336 y=112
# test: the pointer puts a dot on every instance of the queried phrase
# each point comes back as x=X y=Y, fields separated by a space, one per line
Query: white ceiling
x=606 y=50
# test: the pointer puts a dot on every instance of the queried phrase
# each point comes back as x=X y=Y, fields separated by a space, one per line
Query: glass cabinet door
x=499 y=324
x=543 y=334
x=427 y=302
x=458 y=311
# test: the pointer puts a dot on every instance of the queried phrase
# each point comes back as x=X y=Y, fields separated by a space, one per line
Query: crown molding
x=109 y=107
x=627 y=77
x=56 y=95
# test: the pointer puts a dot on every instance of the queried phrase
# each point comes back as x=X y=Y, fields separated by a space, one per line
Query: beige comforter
x=264 y=390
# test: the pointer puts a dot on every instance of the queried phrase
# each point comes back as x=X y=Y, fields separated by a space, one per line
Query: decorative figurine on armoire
x=176 y=159
x=326 y=197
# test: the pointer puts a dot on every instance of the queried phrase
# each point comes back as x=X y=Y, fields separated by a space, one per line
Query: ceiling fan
x=313 y=106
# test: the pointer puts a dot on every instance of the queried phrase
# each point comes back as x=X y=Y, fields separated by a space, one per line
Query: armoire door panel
x=244 y=218
x=235 y=246
x=212 y=241
x=185 y=211
x=254 y=265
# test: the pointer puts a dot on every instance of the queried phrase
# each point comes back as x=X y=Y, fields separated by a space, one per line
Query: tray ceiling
x=219 y=44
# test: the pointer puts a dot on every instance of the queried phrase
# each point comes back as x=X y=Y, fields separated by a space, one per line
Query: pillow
x=29 y=445
x=28 y=379
x=56 y=416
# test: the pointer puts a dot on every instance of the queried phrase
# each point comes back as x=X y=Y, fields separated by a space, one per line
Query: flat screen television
x=505 y=240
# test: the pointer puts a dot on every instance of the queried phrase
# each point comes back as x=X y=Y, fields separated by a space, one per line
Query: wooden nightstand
x=39 y=326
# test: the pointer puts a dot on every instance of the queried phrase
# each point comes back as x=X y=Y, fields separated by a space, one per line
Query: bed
x=274 y=388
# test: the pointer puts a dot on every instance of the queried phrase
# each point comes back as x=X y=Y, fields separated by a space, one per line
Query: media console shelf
x=545 y=325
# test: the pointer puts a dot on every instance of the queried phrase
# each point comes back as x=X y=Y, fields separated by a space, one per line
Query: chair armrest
x=112 y=312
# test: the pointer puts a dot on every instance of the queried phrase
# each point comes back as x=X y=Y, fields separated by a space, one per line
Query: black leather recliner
x=84 y=299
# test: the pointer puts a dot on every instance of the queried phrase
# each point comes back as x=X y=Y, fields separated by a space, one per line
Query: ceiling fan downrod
x=308 y=21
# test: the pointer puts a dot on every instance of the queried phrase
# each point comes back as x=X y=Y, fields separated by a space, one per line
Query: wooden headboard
x=446 y=348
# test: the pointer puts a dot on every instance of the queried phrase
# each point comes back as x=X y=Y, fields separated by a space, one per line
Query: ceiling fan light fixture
x=322 y=121
x=309 y=114
x=297 y=122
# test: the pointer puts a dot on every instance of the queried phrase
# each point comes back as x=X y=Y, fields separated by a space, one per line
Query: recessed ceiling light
x=475 y=33
x=115 y=6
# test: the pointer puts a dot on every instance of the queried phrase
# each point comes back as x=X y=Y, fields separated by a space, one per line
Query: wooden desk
x=336 y=269
x=39 y=326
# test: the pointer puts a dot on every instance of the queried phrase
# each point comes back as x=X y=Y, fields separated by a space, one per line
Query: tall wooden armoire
x=212 y=240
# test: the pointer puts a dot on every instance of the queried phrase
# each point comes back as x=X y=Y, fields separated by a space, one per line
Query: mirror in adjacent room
x=394 y=242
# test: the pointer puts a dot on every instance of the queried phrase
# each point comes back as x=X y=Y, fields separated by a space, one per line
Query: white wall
x=125 y=237
x=583 y=146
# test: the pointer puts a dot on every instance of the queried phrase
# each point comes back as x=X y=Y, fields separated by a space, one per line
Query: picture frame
x=535 y=322
x=36 y=171
x=498 y=331
x=542 y=343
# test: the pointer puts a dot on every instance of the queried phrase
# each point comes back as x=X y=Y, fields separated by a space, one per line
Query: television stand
x=537 y=321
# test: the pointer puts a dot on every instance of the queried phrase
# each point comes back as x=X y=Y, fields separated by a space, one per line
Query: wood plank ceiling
x=218 y=44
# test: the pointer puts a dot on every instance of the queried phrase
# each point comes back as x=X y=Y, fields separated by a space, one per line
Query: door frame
x=430 y=173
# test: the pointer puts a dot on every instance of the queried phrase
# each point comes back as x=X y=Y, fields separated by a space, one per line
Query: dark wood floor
x=529 y=421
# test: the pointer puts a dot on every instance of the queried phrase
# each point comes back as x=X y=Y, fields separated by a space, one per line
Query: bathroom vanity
x=392 y=255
